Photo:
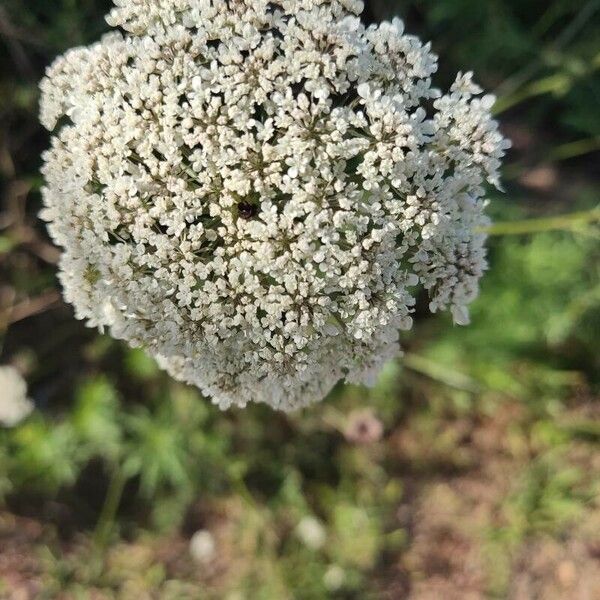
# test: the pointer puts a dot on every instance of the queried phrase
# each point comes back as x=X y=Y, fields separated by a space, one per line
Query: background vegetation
x=485 y=479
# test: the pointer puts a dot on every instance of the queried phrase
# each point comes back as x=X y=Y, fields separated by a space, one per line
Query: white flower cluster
x=254 y=191
x=14 y=404
x=311 y=532
x=203 y=547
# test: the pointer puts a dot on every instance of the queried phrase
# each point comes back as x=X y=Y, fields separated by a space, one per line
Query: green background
x=486 y=480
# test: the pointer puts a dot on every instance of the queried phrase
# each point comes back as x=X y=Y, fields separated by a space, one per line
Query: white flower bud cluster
x=14 y=404
x=255 y=191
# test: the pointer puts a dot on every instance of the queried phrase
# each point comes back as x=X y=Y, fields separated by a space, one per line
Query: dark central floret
x=247 y=210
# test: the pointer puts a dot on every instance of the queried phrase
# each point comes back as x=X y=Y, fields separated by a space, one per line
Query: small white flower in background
x=311 y=533
x=334 y=578
x=203 y=547
x=256 y=191
x=363 y=427
x=14 y=404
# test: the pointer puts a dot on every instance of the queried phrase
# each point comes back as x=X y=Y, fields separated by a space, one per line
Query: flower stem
x=109 y=509
x=567 y=222
x=440 y=373
x=575 y=149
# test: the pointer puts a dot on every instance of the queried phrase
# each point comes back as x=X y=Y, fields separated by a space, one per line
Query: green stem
x=558 y=83
x=574 y=149
x=568 y=222
x=569 y=33
x=109 y=509
x=440 y=373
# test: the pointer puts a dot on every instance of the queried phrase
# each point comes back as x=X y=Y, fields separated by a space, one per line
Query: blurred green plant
x=165 y=463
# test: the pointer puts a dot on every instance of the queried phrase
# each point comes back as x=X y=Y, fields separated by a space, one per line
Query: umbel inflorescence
x=255 y=191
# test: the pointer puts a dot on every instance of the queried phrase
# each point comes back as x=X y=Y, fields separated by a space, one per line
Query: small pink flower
x=363 y=427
